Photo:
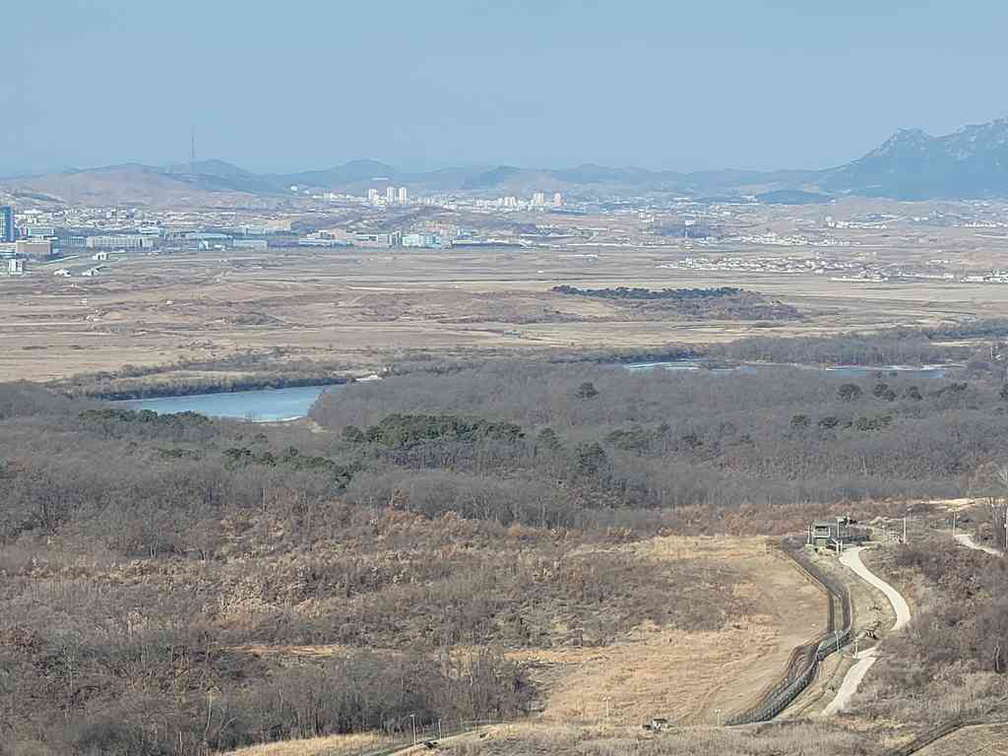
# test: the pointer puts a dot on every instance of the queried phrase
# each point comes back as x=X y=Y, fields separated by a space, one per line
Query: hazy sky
x=426 y=83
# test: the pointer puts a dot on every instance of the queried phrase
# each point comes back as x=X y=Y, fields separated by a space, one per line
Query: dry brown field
x=332 y=745
x=362 y=307
x=554 y=739
x=688 y=677
x=559 y=740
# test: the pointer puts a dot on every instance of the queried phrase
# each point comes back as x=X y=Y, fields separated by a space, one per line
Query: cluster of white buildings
x=393 y=196
x=781 y=265
x=837 y=270
x=771 y=239
x=398 y=196
x=872 y=224
x=511 y=202
x=415 y=239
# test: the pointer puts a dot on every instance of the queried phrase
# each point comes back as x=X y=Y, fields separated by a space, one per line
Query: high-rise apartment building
x=557 y=199
x=6 y=223
x=538 y=199
x=390 y=195
x=401 y=195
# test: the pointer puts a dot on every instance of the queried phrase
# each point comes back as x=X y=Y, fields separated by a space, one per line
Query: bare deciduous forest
x=607 y=444
x=437 y=518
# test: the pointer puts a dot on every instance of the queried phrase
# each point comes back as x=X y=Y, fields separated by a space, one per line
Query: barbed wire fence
x=805 y=660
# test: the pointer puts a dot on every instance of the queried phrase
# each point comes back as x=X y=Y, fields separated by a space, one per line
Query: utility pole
x=718 y=712
x=955 y=516
x=439 y=729
x=904 y=530
x=836 y=638
x=413 y=720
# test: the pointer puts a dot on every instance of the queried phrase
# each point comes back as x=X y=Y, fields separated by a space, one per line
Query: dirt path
x=865 y=659
x=967 y=540
x=851 y=681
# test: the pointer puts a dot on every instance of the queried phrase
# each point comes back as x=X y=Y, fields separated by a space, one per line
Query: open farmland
x=359 y=308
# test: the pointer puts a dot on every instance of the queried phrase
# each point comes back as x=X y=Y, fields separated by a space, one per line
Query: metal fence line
x=805 y=659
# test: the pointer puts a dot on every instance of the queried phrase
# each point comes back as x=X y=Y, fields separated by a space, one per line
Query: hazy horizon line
x=415 y=166
x=7 y=173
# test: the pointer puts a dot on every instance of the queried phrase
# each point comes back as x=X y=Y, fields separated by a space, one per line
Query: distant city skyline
x=648 y=84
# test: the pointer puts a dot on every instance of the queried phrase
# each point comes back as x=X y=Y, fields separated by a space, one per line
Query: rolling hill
x=911 y=165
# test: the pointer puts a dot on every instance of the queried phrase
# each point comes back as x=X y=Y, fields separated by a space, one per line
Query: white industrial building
x=120 y=241
x=428 y=240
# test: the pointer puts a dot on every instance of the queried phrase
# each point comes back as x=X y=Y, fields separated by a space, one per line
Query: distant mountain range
x=911 y=165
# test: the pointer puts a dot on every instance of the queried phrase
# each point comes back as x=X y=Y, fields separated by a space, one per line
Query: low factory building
x=120 y=241
x=34 y=249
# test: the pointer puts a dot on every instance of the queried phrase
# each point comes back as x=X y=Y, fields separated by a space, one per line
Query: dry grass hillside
x=332 y=745
x=983 y=740
x=676 y=670
x=607 y=691
x=540 y=739
x=687 y=675
x=558 y=740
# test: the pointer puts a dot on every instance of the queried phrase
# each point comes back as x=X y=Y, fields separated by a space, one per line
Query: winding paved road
x=852 y=558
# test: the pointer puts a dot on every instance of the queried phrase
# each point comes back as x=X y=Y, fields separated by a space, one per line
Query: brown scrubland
x=569 y=546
